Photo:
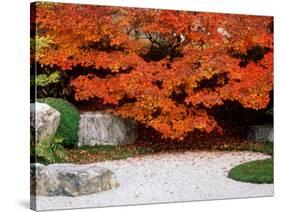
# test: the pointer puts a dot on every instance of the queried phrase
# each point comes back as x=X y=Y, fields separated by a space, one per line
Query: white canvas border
x=14 y=113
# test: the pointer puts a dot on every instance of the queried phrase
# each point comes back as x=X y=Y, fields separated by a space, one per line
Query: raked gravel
x=176 y=177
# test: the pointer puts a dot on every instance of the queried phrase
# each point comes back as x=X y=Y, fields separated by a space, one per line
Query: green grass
x=69 y=120
x=260 y=171
x=98 y=148
x=105 y=152
x=91 y=154
x=126 y=150
x=266 y=148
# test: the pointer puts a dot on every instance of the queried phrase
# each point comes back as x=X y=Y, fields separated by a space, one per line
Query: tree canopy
x=163 y=68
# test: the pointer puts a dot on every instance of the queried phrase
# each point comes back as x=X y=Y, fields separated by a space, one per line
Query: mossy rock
x=69 y=124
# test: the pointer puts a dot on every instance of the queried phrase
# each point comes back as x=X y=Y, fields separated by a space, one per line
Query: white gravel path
x=173 y=177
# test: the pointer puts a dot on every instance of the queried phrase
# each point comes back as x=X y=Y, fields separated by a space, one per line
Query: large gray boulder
x=44 y=120
x=105 y=129
x=70 y=179
x=42 y=181
x=261 y=133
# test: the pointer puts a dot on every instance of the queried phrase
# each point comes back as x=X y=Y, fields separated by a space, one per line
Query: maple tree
x=163 y=68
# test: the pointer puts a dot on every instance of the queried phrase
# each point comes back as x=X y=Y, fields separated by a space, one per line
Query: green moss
x=260 y=171
x=69 y=120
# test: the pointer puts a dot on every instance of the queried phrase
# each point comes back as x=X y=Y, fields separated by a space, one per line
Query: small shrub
x=51 y=149
x=43 y=80
x=69 y=120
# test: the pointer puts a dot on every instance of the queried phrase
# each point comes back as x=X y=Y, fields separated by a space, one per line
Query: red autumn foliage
x=172 y=65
